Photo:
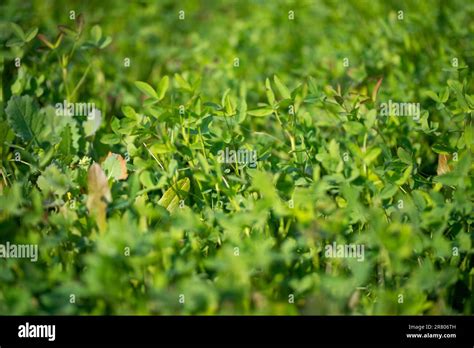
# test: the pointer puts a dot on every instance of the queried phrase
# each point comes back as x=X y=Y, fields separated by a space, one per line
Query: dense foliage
x=133 y=209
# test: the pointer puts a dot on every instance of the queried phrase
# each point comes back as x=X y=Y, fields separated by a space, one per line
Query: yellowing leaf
x=115 y=166
x=174 y=194
x=98 y=195
x=260 y=112
x=45 y=40
x=372 y=155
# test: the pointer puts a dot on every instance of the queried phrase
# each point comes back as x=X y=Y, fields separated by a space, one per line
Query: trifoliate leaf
x=182 y=83
x=53 y=181
x=404 y=155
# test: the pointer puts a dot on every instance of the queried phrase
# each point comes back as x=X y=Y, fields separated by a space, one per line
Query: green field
x=236 y=157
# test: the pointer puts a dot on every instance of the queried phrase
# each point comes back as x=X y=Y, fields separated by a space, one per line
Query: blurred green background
x=192 y=252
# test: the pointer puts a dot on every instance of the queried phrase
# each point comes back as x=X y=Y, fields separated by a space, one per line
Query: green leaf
x=370 y=118
x=104 y=42
x=404 y=156
x=146 y=179
x=69 y=137
x=388 y=191
x=18 y=31
x=182 y=83
x=22 y=116
x=372 y=155
x=30 y=35
x=229 y=108
x=433 y=96
x=339 y=100
x=5 y=133
x=262 y=181
x=442 y=149
x=269 y=92
x=313 y=86
x=172 y=196
x=146 y=89
x=284 y=91
x=163 y=87
x=242 y=110
x=445 y=96
x=53 y=181
x=115 y=167
x=260 y=112
x=406 y=175
x=456 y=86
x=96 y=32
x=65 y=146
x=110 y=139
x=14 y=42
x=354 y=127
x=160 y=148
x=129 y=112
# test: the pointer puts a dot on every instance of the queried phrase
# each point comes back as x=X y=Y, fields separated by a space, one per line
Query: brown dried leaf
x=376 y=89
x=443 y=166
x=354 y=300
x=98 y=195
x=44 y=40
